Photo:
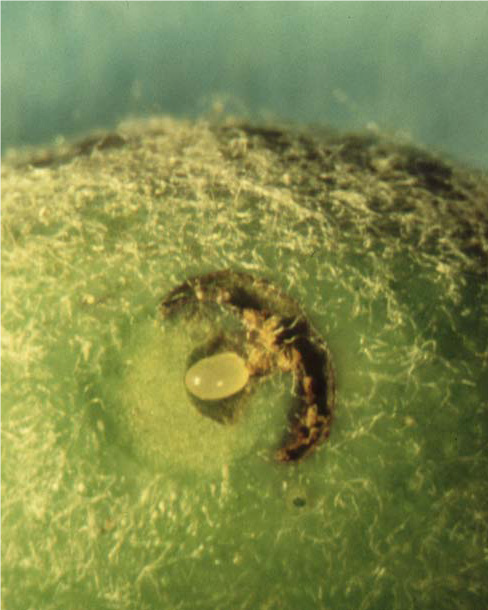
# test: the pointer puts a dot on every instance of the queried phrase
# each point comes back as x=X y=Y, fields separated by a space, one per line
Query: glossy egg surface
x=217 y=377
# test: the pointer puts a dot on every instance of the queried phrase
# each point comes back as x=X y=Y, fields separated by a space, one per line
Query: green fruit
x=118 y=492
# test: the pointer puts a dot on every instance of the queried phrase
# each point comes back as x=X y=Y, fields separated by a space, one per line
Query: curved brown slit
x=279 y=336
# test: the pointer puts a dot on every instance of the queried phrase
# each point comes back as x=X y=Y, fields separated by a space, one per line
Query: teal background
x=414 y=67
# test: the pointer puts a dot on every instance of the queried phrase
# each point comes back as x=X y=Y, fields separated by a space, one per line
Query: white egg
x=217 y=377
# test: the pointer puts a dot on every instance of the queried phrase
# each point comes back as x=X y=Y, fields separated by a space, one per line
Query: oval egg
x=217 y=377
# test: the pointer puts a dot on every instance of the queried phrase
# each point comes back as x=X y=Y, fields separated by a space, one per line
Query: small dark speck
x=299 y=502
